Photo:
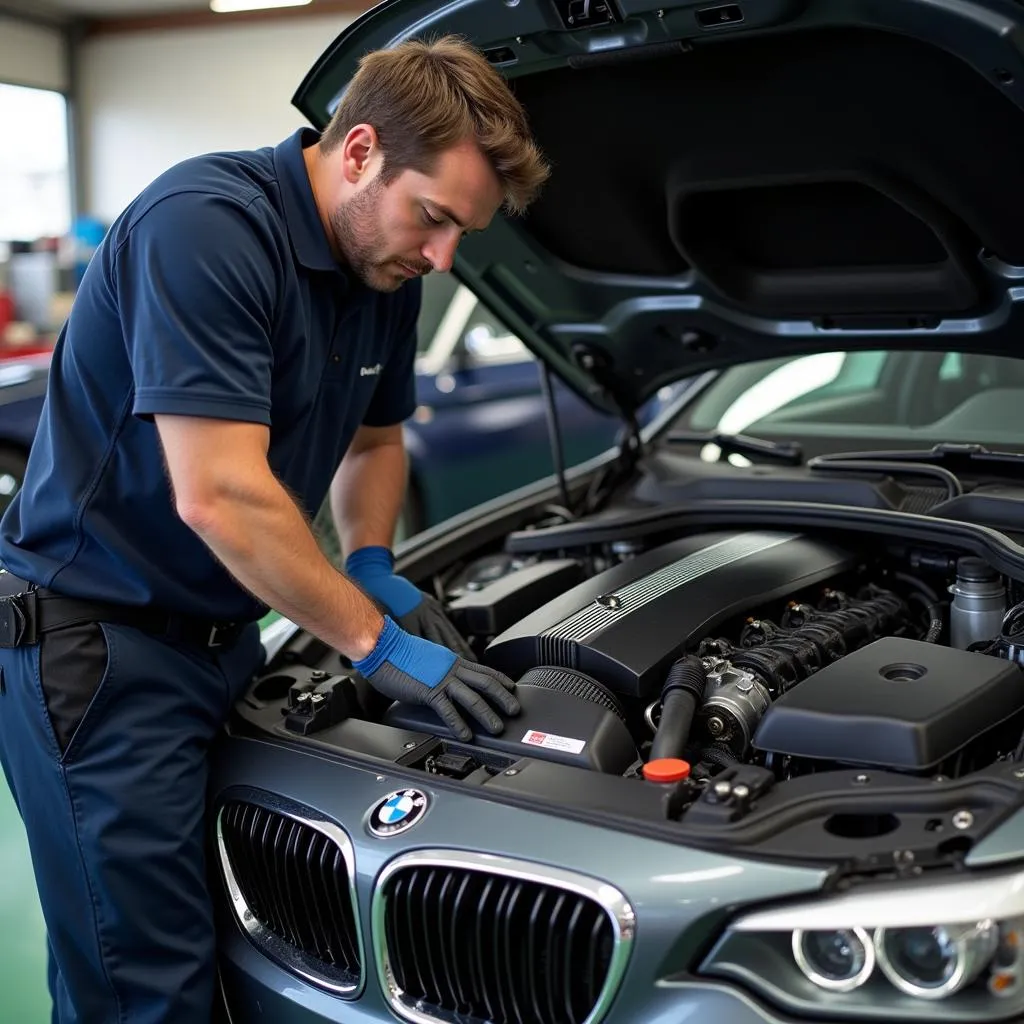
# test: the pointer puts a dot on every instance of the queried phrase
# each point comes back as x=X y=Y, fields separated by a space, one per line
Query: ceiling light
x=230 y=6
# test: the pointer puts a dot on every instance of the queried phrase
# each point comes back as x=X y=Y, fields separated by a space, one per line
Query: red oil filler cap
x=666 y=769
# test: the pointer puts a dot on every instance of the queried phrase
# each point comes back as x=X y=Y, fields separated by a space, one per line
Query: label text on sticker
x=547 y=739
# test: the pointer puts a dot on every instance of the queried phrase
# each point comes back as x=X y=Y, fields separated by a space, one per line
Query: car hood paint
x=734 y=182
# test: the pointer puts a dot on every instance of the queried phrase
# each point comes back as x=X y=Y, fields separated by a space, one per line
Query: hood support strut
x=554 y=431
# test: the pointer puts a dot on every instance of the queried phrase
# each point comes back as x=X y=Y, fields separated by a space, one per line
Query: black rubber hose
x=682 y=692
x=934 y=614
x=719 y=756
x=934 y=627
x=927 y=597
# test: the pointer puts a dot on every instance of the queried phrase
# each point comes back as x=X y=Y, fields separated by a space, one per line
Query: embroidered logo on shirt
x=370 y=371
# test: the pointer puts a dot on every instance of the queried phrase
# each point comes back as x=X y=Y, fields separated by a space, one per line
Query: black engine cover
x=626 y=626
x=896 y=703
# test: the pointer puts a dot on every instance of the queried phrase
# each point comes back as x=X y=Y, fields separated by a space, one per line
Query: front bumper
x=678 y=897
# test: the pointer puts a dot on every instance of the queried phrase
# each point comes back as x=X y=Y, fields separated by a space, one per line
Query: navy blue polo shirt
x=215 y=294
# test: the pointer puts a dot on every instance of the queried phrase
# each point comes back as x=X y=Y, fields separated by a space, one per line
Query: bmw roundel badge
x=397 y=812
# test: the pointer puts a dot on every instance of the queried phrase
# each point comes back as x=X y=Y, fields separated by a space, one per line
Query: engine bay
x=783 y=687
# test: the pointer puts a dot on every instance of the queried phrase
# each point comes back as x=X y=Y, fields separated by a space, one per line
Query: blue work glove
x=410 y=669
x=373 y=568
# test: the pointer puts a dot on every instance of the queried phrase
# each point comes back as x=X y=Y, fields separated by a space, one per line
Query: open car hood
x=742 y=181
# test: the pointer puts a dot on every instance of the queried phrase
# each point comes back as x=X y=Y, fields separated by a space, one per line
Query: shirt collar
x=304 y=225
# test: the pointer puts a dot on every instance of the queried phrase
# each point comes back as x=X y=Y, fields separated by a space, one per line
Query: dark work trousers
x=104 y=735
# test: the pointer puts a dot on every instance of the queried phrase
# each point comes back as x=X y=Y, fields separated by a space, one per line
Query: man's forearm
x=368 y=490
x=264 y=541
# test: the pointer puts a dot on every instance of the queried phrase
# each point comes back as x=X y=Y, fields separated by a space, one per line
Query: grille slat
x=409 y=936
x=535 y=933
x=262 y=827
x=434 y=983
x=593 y=955
x=500 y=949
x=484 y=941
x=308 y=853
x=513 y=951
x=491 y=947
x=293 y=878
x=322 y=879
x=270 y=873
x=347 y=935
x=285 y=837
x=567 y=957
x=450 y=994
x=254 y=850
x=464 y=963
x=551 y=988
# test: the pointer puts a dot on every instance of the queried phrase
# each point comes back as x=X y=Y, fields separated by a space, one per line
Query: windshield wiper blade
x=789 y=452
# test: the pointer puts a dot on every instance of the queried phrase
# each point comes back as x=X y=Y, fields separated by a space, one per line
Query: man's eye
x=431 y=220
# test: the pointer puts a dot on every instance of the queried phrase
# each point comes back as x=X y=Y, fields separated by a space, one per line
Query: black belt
x=26 y=616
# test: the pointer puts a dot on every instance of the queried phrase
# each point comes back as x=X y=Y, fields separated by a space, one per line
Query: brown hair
x=424 y=97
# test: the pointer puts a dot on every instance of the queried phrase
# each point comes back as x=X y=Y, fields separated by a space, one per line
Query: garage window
x=35 y=180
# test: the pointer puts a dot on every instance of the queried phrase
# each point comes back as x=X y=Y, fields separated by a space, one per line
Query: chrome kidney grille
x=290 y=880
x=477 y=938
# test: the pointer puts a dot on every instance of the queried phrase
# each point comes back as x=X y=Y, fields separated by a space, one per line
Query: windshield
x=837 y=401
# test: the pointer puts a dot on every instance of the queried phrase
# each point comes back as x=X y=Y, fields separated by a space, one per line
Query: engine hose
x=914 y=583
x=683 y=690
x=719 y=756
x=1011 y=620
x=929 y=599
x=934 y=614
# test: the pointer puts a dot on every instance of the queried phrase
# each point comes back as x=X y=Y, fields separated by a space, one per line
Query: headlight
x=840 y=960
x=933 y=963
x=887 y=953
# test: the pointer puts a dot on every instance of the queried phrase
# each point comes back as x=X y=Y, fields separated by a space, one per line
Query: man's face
x=390 y=233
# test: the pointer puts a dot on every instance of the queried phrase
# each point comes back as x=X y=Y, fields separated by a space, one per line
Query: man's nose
x=439 y=251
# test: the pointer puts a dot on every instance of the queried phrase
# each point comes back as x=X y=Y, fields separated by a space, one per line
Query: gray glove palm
x=412 y=670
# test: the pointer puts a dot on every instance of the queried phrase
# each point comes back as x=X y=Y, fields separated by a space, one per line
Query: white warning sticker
x=548 y=739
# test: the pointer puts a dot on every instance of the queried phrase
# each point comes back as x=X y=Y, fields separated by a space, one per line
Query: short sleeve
x=195 y=281
x=394 y=398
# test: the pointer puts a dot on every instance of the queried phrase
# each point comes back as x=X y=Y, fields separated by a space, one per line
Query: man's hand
x=416 y=671
x=373 y=568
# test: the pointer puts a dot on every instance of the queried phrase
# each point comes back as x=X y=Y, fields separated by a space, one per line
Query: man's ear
x=358 y=151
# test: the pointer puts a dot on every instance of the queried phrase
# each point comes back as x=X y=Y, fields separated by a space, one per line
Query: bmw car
x=769 y=762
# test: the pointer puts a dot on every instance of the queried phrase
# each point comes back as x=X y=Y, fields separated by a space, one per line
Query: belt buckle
x=219 y=634
x=18 y=619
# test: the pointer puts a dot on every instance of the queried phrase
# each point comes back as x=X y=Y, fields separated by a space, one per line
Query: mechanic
x=244 y=336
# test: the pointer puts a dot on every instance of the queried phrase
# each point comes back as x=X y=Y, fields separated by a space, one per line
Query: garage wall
x=149 y=99
x=32 y=54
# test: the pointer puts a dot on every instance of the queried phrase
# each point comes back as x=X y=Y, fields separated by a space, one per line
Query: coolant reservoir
x=979 y=603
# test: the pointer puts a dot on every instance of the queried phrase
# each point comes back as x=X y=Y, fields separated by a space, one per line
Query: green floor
x=24 y=999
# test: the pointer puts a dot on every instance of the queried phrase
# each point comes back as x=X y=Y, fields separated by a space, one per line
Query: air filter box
x=896 y=703
x=566 y=717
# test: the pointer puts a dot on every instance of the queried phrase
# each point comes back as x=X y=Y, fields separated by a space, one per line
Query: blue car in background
x=479 y=429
